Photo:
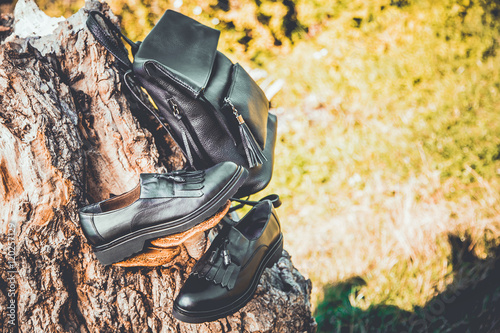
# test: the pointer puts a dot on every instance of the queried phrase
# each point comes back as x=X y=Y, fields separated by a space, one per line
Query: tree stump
x=68 y=137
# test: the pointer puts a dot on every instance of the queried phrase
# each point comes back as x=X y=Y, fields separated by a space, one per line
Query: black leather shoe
x=160 y=205
x=226 y=276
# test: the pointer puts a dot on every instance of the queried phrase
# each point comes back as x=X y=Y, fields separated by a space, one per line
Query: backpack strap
x=112 y=42
x=110 y=37
x=130 y=83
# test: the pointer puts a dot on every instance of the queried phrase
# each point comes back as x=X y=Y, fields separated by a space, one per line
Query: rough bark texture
x=68 y=138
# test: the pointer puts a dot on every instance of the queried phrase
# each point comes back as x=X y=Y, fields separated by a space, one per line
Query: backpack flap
x=183 y=49
x=184 y=52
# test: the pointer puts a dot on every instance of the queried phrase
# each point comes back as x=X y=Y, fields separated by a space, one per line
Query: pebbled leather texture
x=159 y=199
x=224 y=279
x=209 y=142
x=178 y=63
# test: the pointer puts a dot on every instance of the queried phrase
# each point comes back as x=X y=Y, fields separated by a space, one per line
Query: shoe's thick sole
x=130 y=244
x=192 y=317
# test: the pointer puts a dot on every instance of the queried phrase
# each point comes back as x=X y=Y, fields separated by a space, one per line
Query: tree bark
x=68 y=137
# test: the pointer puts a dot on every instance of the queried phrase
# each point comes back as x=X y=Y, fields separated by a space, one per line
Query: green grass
x=405 y=98
x=427 y=70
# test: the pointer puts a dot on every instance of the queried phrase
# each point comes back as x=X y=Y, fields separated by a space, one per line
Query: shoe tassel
x=223 y=272
x=174 y=178
x=226 y=258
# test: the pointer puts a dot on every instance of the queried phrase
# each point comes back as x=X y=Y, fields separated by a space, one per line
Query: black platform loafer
x=226 y=276
x=160 y=205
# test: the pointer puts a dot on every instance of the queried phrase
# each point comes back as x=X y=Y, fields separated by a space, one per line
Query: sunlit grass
x=402 y=110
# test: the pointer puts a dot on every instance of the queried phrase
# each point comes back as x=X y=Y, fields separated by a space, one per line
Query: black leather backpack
x=214 y=110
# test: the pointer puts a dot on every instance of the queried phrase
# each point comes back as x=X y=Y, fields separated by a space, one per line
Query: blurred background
x=388 y=156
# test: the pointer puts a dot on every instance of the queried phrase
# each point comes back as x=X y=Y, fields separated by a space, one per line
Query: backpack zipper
x=184 y=132
x=175 y=108
x=218 y=115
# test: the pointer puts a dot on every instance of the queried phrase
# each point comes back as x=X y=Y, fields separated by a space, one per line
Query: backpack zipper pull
x=178 y=115
x=254 y=154
x=175 y=108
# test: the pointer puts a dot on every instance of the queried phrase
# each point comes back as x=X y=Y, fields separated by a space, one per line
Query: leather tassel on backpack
x=254 y=154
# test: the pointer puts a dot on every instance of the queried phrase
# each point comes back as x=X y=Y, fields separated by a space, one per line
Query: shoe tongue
x=146 y=178
x=237 y=246
x=152 y=187
x=237 y=239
